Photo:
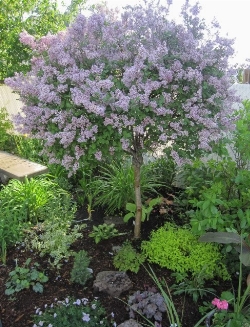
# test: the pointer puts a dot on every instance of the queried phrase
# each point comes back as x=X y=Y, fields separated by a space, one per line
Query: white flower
x=85 y=317
x=55 y=315
x=112 y=314
x=40 y=323
x=50 y=325
x=85 y=301
x=93 y=306
x=45 y=305
x=37 y=310
x=67 y=300
x=78 y=302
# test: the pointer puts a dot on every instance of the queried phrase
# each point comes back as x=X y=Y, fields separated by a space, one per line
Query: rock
x=113 y=283
x=130 y=323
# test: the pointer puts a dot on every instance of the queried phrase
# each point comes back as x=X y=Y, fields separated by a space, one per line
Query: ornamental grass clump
x=178 y=249
x=115 y=85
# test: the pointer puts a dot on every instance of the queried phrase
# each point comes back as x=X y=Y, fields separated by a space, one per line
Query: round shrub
x=179 y=250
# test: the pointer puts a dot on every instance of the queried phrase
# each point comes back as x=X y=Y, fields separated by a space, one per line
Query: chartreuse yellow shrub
x=179 y=250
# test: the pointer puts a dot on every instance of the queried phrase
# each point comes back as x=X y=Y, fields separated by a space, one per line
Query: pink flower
x=221 y=305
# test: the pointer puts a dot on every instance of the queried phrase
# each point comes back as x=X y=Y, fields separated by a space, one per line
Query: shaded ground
x=18 y=312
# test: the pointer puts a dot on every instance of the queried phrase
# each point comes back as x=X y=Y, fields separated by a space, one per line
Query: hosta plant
x=104 y=232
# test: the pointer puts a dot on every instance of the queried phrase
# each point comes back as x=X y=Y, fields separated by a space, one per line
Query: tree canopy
x=114 y=84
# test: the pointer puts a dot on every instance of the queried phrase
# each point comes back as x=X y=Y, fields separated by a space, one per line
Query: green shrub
x=127 y=258
x=179 y=250
x=6 y=128
x=81 y=272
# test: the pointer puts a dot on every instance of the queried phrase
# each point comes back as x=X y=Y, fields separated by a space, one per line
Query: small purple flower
x=85 y=317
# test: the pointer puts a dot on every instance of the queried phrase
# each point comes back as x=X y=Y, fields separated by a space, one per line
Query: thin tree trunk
x=137 y=163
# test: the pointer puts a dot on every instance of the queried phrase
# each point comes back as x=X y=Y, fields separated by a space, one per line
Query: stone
x=130 y=323
x=113 y=283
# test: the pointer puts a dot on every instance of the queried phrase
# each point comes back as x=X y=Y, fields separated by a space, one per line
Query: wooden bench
x=12 y=166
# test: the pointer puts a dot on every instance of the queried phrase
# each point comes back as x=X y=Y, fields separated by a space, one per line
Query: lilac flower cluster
x=113 y=80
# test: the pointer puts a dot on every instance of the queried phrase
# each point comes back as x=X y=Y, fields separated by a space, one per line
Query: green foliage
x=56 y=237
x=243 y=246
x=104 y=232
x=219 y=190
x=28 y=148
x=5 y=129
x=25 y=277
x=11 y=228
x=114 y=188
x=146 y=210
x=164 y=168
x=72 y=312
x=127 y=258
x=191 y=285
x=179 y=250
x=31 y=195
x=81 y=272
x=36 y=17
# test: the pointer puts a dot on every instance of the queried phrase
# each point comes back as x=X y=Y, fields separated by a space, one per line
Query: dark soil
x=18 y=312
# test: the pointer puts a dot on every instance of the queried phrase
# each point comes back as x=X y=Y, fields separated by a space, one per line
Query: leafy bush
x=104 y=232
x=24 y=277
x=6 y=128
x=55 y=238
x=179 y=250
x=71 y=312
x=149 y=304
x=81 y=272
x=32 y=194
x=128 y=259
x=114 y=188
x=219 y=190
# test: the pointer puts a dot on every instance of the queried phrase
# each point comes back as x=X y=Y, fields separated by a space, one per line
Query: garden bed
x=17 y=311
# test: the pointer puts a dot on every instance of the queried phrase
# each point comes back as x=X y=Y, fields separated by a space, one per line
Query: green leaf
x=128 y=216
x=221 y=237
x=38 y=288
x=131 y=207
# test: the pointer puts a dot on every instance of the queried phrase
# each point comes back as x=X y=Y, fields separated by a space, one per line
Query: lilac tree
x=111 y=84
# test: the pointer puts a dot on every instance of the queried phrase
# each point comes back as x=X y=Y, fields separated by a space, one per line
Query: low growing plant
x=81 y=272
x=71 y=312
x=149 y=303
x=25 y=277
x=127 y=258
x=32 y=194
x=146 y=209
x=178 y=249
x=55 y=239
x=193 y=286
x=104 y=232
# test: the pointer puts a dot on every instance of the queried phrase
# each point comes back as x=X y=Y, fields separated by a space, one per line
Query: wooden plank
x=18 y=168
